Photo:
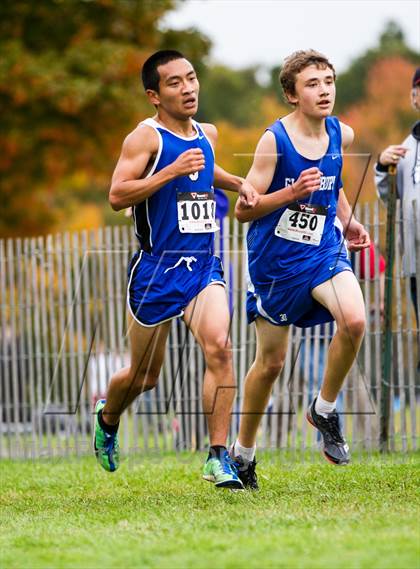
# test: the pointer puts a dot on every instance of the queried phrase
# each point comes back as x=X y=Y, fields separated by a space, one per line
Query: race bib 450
x=303 y=223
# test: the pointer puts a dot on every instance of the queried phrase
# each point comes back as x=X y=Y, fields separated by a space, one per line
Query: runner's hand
x=356 y=235
x=248 y=196
x=309 y=181
x=188 y=162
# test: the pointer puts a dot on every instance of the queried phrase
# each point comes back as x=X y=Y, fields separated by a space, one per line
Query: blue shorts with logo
x=283 y=305
x=160 y=288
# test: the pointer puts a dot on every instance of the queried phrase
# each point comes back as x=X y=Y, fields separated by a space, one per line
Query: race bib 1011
x=196 y=212
x=303 y=223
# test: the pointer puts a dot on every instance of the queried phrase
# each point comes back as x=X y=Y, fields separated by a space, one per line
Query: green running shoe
x=106 y=446
x=222 y=471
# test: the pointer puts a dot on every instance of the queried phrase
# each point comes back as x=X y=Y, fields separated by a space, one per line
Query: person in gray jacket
x=406 y=157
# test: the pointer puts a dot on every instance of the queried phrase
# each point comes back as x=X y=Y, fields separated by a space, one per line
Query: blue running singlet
x=180 y=216
x=175 y=228
x=299 y=246
x=286 y=244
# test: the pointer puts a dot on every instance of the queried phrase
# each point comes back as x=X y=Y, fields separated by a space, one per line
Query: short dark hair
x=149 y=73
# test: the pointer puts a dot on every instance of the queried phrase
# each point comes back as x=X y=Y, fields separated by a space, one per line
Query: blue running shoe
x=221 y=470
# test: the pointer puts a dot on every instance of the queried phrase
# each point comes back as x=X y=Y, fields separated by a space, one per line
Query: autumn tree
x=383 y=117
x=69 y=76
x=352 y=85
x=230 y=95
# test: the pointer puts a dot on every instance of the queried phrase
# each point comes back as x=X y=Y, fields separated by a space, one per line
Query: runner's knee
x=270 y=367
x=218 y=352
x=354 y=326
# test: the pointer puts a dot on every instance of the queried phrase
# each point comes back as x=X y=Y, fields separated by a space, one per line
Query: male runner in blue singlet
x=166 y=173
x=298 y=266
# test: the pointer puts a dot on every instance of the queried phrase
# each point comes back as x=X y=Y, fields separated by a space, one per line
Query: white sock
x=244 y=452
x=323 y=407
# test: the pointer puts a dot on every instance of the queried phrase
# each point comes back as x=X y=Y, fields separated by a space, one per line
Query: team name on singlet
x=327 y=182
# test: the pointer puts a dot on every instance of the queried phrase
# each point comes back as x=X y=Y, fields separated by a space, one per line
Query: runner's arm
x=347 y=135
x=261 y=175
x=226 y=181
x=356 y=235
x=128 y=187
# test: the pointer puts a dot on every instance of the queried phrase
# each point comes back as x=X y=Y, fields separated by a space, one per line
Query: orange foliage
x=236 y=146
x=86 y=216
x=383 y=118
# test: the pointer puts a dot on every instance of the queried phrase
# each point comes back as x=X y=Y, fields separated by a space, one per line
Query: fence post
x=387 y=327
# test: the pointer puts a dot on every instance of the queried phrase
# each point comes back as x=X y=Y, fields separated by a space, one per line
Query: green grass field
x=157 y=512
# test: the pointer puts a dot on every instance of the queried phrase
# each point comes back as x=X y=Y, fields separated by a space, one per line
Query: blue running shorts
x=160 y=288
x=283 y=305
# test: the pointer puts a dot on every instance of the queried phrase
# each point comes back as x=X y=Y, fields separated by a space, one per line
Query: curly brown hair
x=295 y=63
